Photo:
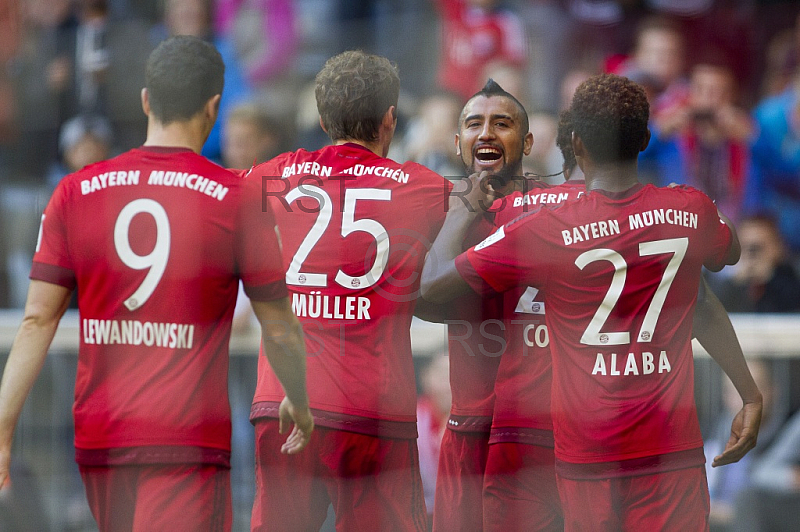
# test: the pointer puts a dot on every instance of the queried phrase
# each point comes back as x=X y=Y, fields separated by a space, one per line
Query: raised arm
x=43 y=310
x=282 y=338
x=441 y=281
x=714 y=331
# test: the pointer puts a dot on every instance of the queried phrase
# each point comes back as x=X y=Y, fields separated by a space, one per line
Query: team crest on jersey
x=527 y=303
x=497 y=236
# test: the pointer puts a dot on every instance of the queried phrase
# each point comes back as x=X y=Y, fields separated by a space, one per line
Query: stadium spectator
x=84 y=140
x=659 y=55
x=108 y=65
x=475 y=34
x=765 y=279
x=250 y=137
x=773 y=505
x=353 y=224
x=428 y=138
x=774 y=184
x=608 y=473
x=265 y=37
x=705 y=141
x=194 y=17
x=43 y=85
x=544 y=161
x=727 y=484
x=779 y=468
x=433 y=409
x=546 y=25
x=152 y=419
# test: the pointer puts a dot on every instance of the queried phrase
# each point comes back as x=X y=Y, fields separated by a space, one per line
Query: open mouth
x=488 y=154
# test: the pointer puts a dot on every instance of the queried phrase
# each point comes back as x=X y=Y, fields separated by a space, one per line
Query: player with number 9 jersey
x=155 y=240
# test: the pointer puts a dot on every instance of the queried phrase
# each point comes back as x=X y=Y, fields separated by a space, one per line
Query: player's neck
x=183 y=134
x=611 y=177
x=375 y=147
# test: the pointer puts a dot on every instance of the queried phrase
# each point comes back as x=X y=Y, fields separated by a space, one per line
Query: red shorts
x=459 y=483
x=194 y=497
x=673 y=500
x=519 y=489
x=373 y=483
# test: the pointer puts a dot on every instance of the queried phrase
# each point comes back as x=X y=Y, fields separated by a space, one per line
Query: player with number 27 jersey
x=156 y=241
x=620 y=275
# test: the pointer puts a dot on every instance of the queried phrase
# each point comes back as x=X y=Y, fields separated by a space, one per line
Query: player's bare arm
x=440 y=280
x=714 y=331
x=282 y=337
x=735 y=250
x=43 y=310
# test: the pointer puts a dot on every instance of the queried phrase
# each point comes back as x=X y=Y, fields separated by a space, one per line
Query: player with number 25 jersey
x=354 y=227
x=354 y=236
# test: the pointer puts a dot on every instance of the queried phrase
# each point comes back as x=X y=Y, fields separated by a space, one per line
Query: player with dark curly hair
x=564 y=143
x=619 y=268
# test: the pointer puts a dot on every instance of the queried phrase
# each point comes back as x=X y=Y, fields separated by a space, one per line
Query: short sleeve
x=497 y=264
x=259 y=260
x=720 y=237
x=51 y=260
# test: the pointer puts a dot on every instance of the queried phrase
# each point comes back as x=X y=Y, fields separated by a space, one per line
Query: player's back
x=355 y=228
x=620 y=274
x=151 y=237
x=524 y=377
x=624 y=275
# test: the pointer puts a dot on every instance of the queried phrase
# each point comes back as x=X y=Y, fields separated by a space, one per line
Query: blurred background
x=723 y=77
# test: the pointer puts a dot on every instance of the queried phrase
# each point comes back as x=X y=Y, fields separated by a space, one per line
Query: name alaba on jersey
x=620 y=274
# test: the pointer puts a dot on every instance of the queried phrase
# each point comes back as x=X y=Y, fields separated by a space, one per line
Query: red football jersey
x=620 y=274
x=524 y=378
x=475 y=343
x=156 y=240
x=355 y=228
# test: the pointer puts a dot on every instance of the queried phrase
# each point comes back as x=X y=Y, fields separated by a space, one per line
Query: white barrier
x=761 y=335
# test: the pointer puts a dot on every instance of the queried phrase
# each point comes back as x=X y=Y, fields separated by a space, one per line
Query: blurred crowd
x=723 y=76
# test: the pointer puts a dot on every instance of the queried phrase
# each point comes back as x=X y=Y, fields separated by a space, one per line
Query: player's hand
x=5 y=464
x=303 y=426
x=744 y=433
x=476 y=193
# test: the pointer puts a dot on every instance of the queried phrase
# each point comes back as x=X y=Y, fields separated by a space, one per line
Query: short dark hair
x=564 y=140
x=181 y=75
x=610 y=114
x=354 y=90
x=493 y=89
